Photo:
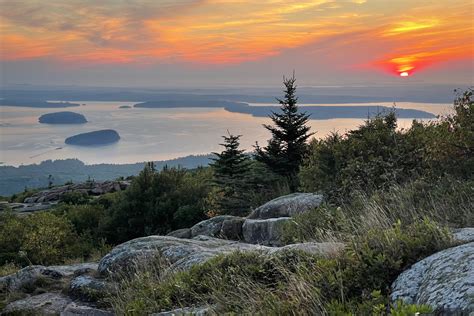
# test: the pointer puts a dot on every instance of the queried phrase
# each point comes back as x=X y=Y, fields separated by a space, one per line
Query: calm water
x=146 y=134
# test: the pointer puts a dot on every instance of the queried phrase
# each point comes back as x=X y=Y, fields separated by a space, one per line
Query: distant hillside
x=15 y=179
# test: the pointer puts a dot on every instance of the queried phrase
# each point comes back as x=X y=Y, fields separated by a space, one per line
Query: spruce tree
x=288 y=146
x=231 y=168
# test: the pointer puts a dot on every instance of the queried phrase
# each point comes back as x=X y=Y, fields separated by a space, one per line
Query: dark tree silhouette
x=288 y=146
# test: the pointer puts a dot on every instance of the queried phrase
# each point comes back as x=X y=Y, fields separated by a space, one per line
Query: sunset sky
x=235 y=42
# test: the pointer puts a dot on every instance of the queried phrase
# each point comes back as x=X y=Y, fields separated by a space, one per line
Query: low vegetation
x=356 y=282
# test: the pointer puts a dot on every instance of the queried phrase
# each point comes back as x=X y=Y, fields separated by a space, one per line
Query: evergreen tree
x=231 y=168
x=288 y=146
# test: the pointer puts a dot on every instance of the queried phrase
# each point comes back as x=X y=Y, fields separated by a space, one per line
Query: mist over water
x=148 y=134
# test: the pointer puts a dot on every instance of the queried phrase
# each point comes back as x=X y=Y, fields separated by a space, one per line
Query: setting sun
x=404 y=74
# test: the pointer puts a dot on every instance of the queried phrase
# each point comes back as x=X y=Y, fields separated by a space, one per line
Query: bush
x=158 y=202
x=39 y=238
x=377 y=156
x=74 y=198
x=447 y=201
x=88 y=220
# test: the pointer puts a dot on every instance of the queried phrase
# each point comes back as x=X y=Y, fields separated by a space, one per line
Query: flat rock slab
x=287 y=206
x=464 y=234
x=43 y=304
x=266 y=232
x=184 y=253
x=444 y=281
x=52 y=304
x=28 y=276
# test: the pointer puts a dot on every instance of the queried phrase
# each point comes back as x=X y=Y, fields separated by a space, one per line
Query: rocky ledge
x=89 y=188
x=444 y=281
x=182 y=254
x=262 y=226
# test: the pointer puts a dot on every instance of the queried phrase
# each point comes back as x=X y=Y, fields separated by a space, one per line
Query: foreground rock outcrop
x=184 y=253
x=444 y=281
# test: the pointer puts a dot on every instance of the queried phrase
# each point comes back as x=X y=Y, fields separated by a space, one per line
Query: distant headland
x=189 y=104
x=62 y=118
x=316 y=112
x=95 y=138
x=36 y=103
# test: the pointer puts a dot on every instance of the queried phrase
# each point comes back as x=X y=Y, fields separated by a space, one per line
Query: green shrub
x=158 y=202
x=447 y=201
x=39 y=238
x=75 y=198
x=9 y=268
x=377 y=155
x=89 y=220
x=20 y=197
x=377 y=304
x=373 y=260
x=324 y=223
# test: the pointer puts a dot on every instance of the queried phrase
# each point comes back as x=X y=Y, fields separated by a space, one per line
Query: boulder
x=28 y=278
x=464 y=234
x=87 y=288
x=52 y=304
x=74 y=309
x=42 y=304
x=232 y=228
x=445 y=281
x=222 y=226
x=181 y=233
x=264 y=231
x=210 y=227
x=287 y=206
x=186 y=311
x=182 y=254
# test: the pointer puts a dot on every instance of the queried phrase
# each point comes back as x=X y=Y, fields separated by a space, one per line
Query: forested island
x=95 y=138
x=62 y=118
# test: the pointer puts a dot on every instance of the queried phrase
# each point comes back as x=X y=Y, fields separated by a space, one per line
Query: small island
x=95 y=138
x=125 y=107
x=62 y=118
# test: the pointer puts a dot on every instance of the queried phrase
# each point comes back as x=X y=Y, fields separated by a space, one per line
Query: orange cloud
x=406 y=36
x=17 y=47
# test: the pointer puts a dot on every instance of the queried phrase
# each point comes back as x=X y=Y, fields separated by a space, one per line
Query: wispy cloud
x=412 y=34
